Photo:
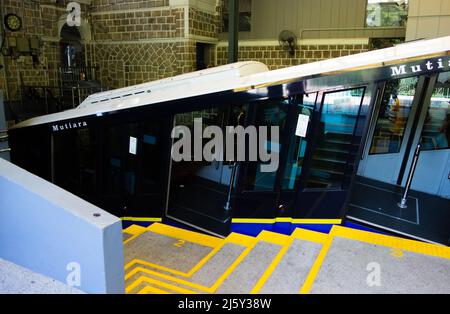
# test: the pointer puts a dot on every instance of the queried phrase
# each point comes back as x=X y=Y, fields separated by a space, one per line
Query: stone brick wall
x=136 y=41
x=275 y=57
x=37 y=21
x=109 y=5
x=164 y=23
x=130 y=64
x=203 y=23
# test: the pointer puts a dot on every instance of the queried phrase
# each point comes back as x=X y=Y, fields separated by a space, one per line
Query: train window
x=332 y=155
x=151 y=157
x=75 y=161
x=393 y=116
x=436 y=130
x=269 y=113
x=119 y=160
x=297 y=146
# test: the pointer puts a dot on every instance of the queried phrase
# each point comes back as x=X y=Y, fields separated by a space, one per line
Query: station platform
x=162 y=259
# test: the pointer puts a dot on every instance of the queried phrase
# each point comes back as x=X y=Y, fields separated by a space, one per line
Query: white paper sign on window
x=302 y=125
x=133 y=145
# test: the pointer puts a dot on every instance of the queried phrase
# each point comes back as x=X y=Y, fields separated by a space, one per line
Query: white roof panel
x=237 y=76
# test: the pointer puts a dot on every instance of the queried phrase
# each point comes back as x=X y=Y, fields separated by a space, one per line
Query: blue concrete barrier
x=50 y=231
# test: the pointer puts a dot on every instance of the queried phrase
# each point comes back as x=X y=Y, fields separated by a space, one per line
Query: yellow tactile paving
x=288 y=220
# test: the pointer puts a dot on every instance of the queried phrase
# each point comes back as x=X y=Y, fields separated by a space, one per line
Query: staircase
x=333 y=160
x=161 y=259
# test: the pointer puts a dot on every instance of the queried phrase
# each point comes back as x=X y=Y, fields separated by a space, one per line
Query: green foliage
x=387 y=14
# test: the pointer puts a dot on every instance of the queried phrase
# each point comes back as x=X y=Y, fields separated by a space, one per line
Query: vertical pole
x=233 y=167
x=233 y=30
x=402 y=204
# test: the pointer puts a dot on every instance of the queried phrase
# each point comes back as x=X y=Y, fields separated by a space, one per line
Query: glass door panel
x=338 y=124
x=298 y=144
x=335 y=148
x=257 y=190
x=433 y=167
x=197 y=190
x=389 y=138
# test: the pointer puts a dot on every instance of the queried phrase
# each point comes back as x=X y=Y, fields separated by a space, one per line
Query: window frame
x=385 y=26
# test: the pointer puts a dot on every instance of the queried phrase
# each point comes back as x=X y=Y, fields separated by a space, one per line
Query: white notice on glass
x=302 y=125
x=133 y=145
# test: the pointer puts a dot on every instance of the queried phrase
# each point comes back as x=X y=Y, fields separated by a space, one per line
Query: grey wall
x=45 y=228
x=306 y=17
x=428 y=19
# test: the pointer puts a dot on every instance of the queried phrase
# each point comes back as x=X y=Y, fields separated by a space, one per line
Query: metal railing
x=4 y=138
x=73 y=75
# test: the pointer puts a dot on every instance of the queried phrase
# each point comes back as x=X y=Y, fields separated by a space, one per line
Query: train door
x=409 y=112
x=257 y=194
x=331 y=148
x=198 y=187
x=269 y=195
x=131 y=156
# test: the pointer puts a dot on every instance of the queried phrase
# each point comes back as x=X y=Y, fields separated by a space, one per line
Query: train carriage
x=348 y=132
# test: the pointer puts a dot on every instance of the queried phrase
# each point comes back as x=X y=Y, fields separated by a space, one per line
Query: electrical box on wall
x=11 y=42
x=18 y=46
x=34 y=43
x=23 y=45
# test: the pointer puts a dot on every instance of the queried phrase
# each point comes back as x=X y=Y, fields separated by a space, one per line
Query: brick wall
x=275 y=57
x=164 y=23
x=203 y=23
x=130 y=64
x=36 y=22
x=136 y=41
x=109 y=5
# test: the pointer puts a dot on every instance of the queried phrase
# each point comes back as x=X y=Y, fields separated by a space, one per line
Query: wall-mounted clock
x=13 y=22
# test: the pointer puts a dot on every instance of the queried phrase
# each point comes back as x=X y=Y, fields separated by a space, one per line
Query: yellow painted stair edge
x=234 y=238
x=191 y=236
x=298 y=233
x=250 y=242
x=373 y=238
x=392 y=241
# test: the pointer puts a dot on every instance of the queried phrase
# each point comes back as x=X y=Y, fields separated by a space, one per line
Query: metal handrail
x=403 y=202
x=227 y=206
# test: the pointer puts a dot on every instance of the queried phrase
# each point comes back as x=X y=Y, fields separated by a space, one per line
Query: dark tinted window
x=75 y=161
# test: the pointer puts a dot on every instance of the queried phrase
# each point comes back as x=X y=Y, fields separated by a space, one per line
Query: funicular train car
x=348 y=129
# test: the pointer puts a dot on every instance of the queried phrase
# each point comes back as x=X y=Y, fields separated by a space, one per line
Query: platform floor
x=15 y=279
x=165 y=259
x=375 y=203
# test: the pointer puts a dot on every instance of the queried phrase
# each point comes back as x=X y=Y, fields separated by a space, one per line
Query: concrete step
x=204 y=277
x=288 y=274
x=248 y=272
x=360 y=262
x=162 y=259
x=169 y=249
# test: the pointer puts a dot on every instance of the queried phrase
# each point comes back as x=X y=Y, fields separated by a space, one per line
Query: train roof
x=236 y=76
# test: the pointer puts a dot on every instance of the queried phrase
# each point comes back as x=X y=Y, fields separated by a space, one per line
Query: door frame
x=411 y=136
x=334 y=196
x=273 y=196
